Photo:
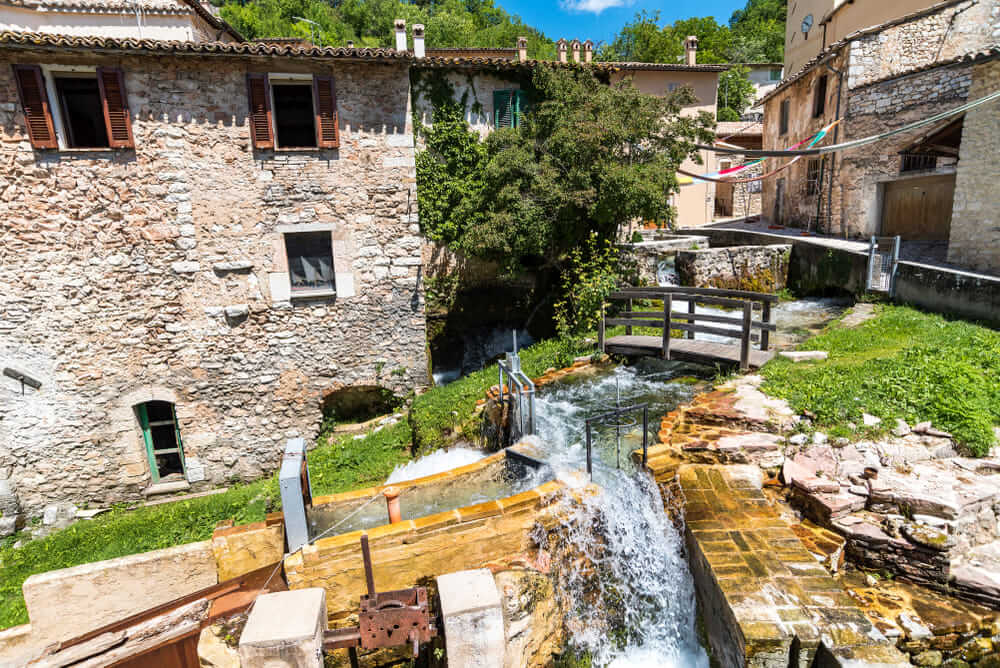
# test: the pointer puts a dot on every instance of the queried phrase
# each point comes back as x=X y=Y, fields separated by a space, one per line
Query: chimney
x=691 y=50
x=350 y=44
x=575 y=47
x=588 y=51
x=418 y=40
x=561 y=48
x=522 y=49
x=400 y=35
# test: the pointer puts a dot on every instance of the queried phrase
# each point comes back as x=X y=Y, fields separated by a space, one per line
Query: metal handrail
x=525 y=387
x=603 y=417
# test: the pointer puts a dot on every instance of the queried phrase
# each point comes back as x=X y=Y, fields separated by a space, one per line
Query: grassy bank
x=335 y=465
x=904 y=364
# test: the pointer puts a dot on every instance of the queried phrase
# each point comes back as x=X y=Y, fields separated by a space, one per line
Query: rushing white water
x=631 y=600
x=438 y=461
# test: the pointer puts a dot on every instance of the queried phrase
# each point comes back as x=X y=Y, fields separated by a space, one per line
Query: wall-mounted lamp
x=23 y=377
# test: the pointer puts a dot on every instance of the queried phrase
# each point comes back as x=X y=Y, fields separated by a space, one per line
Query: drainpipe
x=833 y=156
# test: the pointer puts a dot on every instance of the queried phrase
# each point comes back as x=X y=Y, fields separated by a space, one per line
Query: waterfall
x=618 y=560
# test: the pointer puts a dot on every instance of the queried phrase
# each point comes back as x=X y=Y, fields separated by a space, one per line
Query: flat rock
x=819 y=459
x=804 y=355
x=814 y=485
x=935 y=487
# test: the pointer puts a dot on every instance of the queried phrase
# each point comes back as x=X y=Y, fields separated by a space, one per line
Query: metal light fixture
x=23 y=377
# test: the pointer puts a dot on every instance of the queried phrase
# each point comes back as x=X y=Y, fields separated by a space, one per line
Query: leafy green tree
x=450 y=175
x=736 y=92
x=370 y=22
x=587 y=159
x=755 y=33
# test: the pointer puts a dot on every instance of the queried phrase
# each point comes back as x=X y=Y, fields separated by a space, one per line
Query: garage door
x=919 y=209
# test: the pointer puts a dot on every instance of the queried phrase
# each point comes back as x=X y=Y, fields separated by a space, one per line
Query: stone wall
x=975 y=220
x=473 y=89
x=412 y=551
x=881 y=91
x=960 y=293
x=757 y=268
x=160 y=273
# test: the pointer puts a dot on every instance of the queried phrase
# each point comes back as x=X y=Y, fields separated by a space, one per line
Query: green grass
x=335 y=465
x=904 y=364
x=439 y=414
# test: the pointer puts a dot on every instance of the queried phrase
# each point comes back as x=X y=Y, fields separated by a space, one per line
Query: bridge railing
x=743 y=302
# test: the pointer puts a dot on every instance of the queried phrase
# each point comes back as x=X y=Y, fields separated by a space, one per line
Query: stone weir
x=766 y=600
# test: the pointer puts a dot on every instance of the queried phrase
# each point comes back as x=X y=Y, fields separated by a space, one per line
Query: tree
x=736 y=92
x=587 y=159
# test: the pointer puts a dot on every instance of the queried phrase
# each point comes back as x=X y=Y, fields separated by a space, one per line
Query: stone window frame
x=280 y=280
x=126 y=424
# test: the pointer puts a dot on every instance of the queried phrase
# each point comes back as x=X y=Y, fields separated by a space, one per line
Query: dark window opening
x=83 y=113
x=310 y=261
x=294 y=116
x=162 y=439
x=783 y=120
x=812 y=177
x=775 y=75
x=916 y=162
x=819 y=99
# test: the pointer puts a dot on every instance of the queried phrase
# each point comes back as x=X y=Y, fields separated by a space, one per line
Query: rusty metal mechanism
x=387 y=619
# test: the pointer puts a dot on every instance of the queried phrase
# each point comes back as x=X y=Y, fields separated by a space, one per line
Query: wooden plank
x=696 y=351
x=667 y=306
x=86 y=650
x=681 y=326
x=712 y=292
x=707 y=317
x=691 y=305
x=745 y=338
x=708 y=301
x=600 y=330
x=768 y=328
x=628 y=327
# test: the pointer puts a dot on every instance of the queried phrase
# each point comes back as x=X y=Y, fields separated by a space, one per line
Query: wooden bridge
x=743 y=303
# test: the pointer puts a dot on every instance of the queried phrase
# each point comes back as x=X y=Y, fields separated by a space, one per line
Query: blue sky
x=599 y=20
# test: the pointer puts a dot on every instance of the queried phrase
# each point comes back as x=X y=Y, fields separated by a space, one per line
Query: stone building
x=876 y=80
x=740 y=198
x=179 y=20
x=186 y=276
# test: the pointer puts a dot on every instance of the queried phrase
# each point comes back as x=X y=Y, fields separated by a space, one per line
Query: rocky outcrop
x=757 y=268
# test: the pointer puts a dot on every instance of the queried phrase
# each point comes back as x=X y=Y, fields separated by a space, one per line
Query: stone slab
x=473 y=619
x=72 y=601
x=804 y=355
x=285 y=630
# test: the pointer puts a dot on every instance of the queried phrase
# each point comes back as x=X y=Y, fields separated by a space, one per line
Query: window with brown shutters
x=115 y=107
x=327 y=129
x=259 y=94
x=35 y=103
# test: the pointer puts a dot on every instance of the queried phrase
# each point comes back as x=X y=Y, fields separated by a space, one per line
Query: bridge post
x=600 y=329
x=690 y=321
x=668 y=304
x=628 y=328
x=745 y=338
x=765 y=336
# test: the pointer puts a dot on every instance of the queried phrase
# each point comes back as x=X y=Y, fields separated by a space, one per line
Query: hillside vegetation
x=370 y=22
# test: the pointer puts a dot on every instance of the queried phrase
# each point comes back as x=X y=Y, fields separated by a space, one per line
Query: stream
x=636 y=607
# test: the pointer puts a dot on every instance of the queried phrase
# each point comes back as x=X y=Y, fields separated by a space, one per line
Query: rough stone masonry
x=160 y=273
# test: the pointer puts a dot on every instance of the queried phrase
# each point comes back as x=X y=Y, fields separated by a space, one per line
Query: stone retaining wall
x=413 y=551
x=756 y=268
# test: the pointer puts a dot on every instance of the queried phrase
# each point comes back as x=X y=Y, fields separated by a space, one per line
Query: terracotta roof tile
x=106 y=44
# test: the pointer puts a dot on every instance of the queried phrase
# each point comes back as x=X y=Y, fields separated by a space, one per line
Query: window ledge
x=89 y=150
x=166 y=488
x=312 y=294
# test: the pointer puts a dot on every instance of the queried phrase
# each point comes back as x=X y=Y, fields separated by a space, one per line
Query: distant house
x=176 y=20
x=764 y=77
x=932 y=185
x=738 y=199
x=494 y=89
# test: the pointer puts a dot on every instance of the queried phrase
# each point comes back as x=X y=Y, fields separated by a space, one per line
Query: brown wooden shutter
x=35 y=103
x=327 y=124
x=111 y=81
x=259 y=93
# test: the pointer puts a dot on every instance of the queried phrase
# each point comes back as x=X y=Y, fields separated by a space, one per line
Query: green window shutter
x=503 y=109
x=521 y=106
x=177 y=436
x=148 y=439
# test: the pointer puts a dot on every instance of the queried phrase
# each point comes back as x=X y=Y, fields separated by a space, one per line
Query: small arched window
x=163 y=440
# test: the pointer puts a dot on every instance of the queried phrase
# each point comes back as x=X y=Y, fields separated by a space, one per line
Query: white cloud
x=595 y=6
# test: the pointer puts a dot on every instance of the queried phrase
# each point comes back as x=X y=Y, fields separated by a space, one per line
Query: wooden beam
x=668 y=303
